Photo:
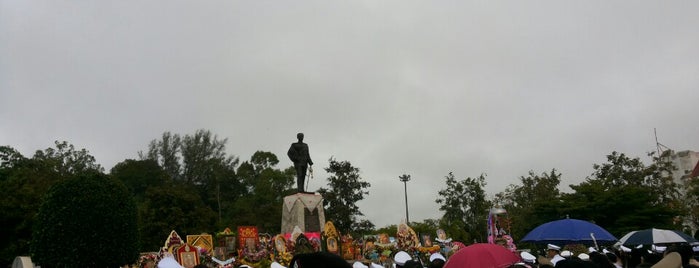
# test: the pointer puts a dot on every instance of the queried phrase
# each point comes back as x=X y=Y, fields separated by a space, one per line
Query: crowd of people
x=676 y=256
x=406 y=251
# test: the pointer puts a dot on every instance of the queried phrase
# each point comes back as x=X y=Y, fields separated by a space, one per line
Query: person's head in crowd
x=600 y=260
x=584 y=256
x=527 y=257
x=552 y=250
x=412 y=264
x=400 y=258
x=566 y=254
x=359 y=264
x=635 y=256
x=574 y=263
x=437 y=260
x=611 y=256
x=544 y=262
x=168 y=261
x=652 y=257
x=318 y=260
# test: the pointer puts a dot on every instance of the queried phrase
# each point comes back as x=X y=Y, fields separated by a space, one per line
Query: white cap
x=556 y=259
x=276 y=265
x=566 y=254
x=374 y=265
x=401 y=257
x=584 y=256
x=658 y=249
x=695 y=248
x=527 y=257
x=169 y=262
x=624 y=249
x=359 y=265
x=553 y=247
x=591 y=249
x=436 y=255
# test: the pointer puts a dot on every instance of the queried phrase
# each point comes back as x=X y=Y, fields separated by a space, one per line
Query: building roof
x=695 y=172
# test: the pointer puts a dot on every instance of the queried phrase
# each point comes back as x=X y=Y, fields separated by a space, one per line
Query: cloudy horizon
x=393 y=87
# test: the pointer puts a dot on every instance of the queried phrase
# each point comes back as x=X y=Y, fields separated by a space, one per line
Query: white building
x=686 y=165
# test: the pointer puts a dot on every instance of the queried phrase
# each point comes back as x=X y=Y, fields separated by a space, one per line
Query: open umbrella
x=569 y=231
x=655 y=236
x=482 y=255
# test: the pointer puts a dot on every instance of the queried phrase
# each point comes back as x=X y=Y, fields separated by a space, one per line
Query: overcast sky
x=394 y=87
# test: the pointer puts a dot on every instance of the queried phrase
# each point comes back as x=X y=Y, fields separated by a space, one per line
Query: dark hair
x=600 y=260
x=318 y=260
x=574 y=263
x=436 y=263
x=611 y=256
x=412 y=264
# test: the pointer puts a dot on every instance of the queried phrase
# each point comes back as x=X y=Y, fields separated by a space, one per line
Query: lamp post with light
x=405 y=178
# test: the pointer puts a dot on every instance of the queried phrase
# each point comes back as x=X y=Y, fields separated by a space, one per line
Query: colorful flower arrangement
x=256 y=255
x=145 y=258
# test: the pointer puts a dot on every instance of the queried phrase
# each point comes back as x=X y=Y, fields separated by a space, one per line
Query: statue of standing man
x=298 y=153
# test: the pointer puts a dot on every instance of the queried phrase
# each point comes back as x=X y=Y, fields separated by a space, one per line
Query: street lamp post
x=405 y=178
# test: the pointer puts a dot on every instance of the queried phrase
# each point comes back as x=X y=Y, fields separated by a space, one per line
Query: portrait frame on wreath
x=189 y=259
x=221 y=253
x=384 y=239
x=230 y=243
x=332 y=245
x=280 y=243
x=426 y=240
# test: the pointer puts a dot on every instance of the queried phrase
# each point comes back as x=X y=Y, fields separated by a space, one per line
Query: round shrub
x=86 y=221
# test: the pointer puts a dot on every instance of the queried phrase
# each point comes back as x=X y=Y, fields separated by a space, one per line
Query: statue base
x=304 y=210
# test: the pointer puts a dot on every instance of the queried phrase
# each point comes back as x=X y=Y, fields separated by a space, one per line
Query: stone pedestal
x=304 y=210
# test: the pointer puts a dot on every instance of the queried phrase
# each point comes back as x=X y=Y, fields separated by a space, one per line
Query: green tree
x=141 y=176
x=28 y=179
x=199 y=160
x=625 y=195
x=175 y=206
x=391 y=230
x=531 y=203
x=166 y=152
x=363 y=227
x=87 y=221
x=265 y=188
x=345 y=189
x=465 y=208
x=66 y=160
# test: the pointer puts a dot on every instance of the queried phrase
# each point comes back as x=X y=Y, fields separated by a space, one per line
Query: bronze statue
x=298 y=153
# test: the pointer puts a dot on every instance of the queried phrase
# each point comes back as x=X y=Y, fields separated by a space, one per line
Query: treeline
x=184 y=183
x=621 y=195
x=190 y=184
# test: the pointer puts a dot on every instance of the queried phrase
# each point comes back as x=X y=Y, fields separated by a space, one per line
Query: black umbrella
x=655 y=236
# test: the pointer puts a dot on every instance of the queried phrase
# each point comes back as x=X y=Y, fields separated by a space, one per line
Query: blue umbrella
x=569 y=231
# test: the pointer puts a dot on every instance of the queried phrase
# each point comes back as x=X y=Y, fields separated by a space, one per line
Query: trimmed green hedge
x=86 y=221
